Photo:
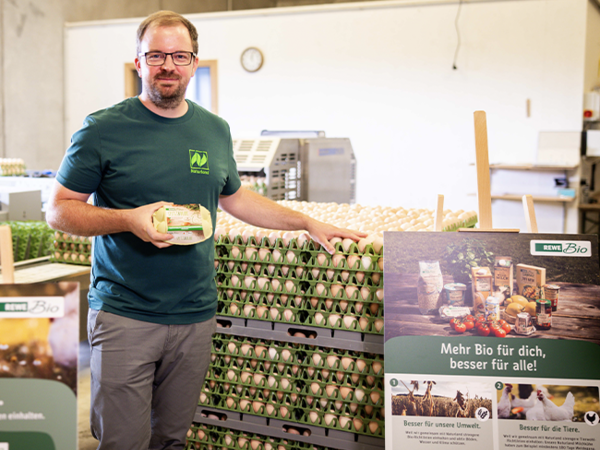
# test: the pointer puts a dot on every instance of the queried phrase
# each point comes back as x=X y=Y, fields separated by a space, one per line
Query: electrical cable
x=460 y=2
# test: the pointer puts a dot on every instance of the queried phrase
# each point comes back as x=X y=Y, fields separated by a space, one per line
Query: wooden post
x=484 y=196
x=439 y=214
x=6 y=255
x=530 y=214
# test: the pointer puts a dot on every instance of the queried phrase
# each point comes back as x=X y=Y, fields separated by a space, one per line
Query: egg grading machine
x=314 y=169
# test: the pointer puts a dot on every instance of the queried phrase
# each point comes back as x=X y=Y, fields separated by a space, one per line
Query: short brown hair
x=167 y=19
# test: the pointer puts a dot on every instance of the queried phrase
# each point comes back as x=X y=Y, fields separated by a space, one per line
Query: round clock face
x=252 y=59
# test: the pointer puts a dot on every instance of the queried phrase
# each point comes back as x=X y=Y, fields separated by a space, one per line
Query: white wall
x=381 y=74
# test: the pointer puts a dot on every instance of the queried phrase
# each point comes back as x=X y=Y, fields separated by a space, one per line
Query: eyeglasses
x=159 y=58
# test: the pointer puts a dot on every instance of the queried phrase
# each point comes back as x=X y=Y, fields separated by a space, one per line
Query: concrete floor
x=85 y=439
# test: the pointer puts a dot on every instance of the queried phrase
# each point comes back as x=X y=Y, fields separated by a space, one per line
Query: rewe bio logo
x=561 y=248
x=199 y=162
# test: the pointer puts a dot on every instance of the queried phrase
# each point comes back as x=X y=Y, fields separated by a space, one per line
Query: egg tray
x=311 y=298
x=321 y=337
x=302 y=256
x=363 y=324
x=202 y=436
x=310 y=379
x=66 y=256
x=297 y=415
x=242 y=268
x=68 y=244
x=299 y=353
x=308 y=246
x=277 y=432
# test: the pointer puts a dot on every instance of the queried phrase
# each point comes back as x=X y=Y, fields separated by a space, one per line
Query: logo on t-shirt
x=199 y=162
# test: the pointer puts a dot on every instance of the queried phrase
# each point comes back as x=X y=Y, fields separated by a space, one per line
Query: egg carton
x=273 y=431
x=300 y=334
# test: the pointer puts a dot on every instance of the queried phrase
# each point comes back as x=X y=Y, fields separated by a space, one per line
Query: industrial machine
x=305 y=166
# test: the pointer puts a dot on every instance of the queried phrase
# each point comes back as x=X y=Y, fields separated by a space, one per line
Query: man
x=152 y=304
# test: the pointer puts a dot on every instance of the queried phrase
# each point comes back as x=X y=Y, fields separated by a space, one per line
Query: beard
x=164 y=100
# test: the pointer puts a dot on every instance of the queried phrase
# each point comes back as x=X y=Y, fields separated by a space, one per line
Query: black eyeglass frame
x=145 y=55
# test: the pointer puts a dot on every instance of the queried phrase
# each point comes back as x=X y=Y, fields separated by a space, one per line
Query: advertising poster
x=492 y=340
x=39 y=343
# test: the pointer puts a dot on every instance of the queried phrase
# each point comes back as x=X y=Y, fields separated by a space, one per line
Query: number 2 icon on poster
x=482 y=414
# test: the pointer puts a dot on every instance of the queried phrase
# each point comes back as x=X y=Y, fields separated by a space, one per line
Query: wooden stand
x=6 y=255
x=484 y=197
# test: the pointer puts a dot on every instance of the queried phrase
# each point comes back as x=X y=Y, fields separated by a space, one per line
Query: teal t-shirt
x=127 y=156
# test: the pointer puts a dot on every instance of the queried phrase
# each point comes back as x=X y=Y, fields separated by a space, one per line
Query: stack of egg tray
x=277 y=380
x=307 y=372
x=300 y=285
x=31 y=239
x=68 y=248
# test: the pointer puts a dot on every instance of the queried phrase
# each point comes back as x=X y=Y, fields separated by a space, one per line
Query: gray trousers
x=145 y=380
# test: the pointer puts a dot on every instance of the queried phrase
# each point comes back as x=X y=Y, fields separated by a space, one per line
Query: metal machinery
x=315 y=169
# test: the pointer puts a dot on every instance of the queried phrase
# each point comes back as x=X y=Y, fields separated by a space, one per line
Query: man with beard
x=152 y=304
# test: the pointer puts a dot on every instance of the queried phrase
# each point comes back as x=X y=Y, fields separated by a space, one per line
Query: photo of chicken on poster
x=441 y=398
x=544 y=402
x=39 y=331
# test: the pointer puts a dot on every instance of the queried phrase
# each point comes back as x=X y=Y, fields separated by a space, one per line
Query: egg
x=338 y=260
x=373 y=427
x=350 y=291
x=350 y=322
x=353 y=261
x=358 y=424
x=347 y=244
x=332 y=360
x=322 y=259
x=319 y=318
x=345 y=421
x=258 y=407
x=359 y=394
x=335 y=289
x=375 y=396
x=329 y=418
x=331 y=390
x=245 y=405
x=283 y=412
x=249 y=310
x=376 y=366
x=334 y=320
x=317 y=359
x=313 y=417
x=345 y=391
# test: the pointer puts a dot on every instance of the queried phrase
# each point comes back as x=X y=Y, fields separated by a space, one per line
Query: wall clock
x=252 y=59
